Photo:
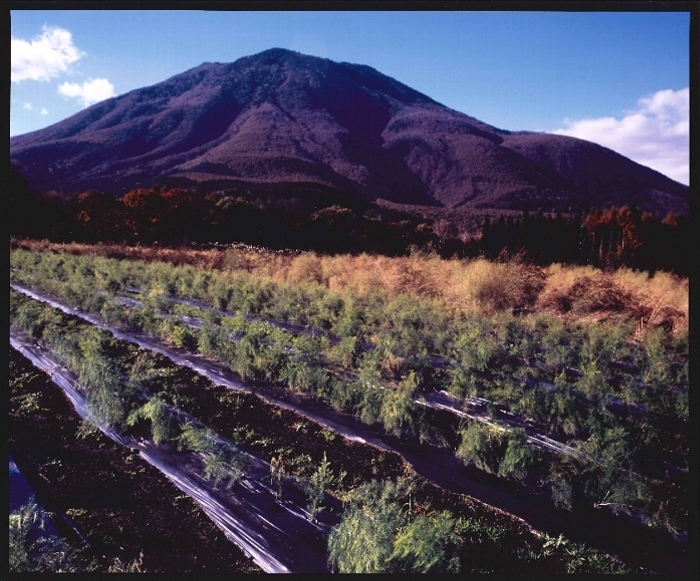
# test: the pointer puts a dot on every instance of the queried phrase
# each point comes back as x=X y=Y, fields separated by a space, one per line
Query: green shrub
x=519 y=458
x=163 y=423
x=223 y=462
x=397 y=411
x=483 y=445
x=108 y=399
x=179 y=334
x=316 y=485
x=380 y=534
x=32 y=551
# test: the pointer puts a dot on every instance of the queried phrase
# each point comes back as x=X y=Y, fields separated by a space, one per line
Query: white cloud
x=44 y=112
x=91 y=91
x=45 y=57
x=655 y=133
x=28 y=106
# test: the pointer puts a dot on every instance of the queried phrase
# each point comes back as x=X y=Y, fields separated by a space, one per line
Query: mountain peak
x=277 y=53
x=282 y=117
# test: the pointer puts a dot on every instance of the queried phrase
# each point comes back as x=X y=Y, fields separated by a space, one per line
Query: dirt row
x=125 y=508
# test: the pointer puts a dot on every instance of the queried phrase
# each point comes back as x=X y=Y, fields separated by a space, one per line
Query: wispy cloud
x=27 y=106
x=91 y=91
x=44 y=57
x=44 y=112
x=655 y=133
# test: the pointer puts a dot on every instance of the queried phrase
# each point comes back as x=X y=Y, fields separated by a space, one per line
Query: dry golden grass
x=588 y=292
x=480 y=285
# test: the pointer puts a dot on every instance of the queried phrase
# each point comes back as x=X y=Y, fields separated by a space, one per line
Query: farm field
x=568 y=386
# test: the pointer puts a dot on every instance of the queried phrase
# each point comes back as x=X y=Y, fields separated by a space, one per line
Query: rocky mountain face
x=280 y=117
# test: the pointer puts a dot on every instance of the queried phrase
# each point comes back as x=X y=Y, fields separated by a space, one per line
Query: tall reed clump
x=586 y=292
x=460 y=285
x=491 y=287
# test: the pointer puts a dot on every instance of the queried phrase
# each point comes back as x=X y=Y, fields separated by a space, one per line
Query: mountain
x=284 y=118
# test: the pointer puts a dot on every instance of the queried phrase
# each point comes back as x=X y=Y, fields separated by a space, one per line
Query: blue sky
x=620 y=79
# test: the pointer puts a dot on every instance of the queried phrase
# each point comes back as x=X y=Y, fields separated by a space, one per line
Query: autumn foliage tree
x=99 y=215
x=628 y=237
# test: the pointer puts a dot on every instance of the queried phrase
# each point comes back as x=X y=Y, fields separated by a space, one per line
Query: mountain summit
x=281 y=117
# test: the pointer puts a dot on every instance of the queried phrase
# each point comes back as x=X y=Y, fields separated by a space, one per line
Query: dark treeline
x=172 y=217
x=175 y=216
x=605 y=238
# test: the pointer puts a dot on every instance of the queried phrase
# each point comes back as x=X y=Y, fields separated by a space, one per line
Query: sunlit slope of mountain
x=283 y=117
x=599 y=175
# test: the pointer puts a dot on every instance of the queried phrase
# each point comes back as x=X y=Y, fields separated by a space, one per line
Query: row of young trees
x=381 y=531
x=606 y=238
x=496 y=360
x=118 y=398
x=115 y=396
x=416 y=542
x=262 y=353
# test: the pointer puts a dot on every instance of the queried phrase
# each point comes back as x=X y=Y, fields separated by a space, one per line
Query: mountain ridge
x=283 y=117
